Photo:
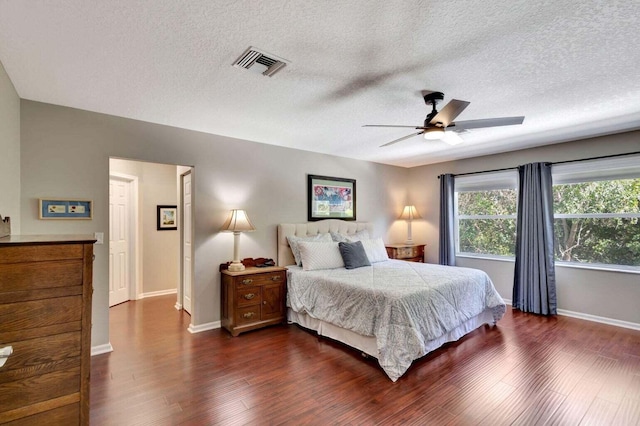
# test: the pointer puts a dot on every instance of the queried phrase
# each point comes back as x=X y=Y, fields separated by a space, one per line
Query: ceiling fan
x=436 y=122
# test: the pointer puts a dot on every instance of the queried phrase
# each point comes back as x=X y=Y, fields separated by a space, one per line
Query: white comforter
x=402 y=304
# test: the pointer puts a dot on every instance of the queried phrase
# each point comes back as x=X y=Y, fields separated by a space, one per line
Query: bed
x=392 y=310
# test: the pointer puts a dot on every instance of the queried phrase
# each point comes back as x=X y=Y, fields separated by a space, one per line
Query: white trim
x=593 y=318
x=178 y=306
x=157 y=293
x=101 y=349
x=204 y=327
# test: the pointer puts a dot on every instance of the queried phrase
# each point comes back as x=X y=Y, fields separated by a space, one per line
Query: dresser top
x=46 y=239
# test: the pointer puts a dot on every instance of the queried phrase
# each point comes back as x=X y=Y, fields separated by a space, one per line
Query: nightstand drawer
x=248 y=296
x=248 y=314
x=405 y=252
x=261 y=279
x=409 y=252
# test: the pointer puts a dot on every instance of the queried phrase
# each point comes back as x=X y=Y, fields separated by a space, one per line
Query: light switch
x=99 y=236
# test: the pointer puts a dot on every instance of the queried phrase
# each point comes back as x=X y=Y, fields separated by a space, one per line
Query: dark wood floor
x=528 y=370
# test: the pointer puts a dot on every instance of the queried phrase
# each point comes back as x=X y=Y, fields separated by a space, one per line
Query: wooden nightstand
x=253 y=298
x=408 y=252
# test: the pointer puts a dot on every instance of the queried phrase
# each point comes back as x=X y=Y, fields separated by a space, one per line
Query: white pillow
x=294 y=241
x=375 y=250
x=320 y=255
x=350 y=238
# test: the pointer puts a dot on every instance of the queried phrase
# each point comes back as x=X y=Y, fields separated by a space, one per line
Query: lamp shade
x=410 y=213
x=238 y=221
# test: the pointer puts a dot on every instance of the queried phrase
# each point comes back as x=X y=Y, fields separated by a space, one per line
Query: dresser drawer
x=36 y=275
x=41 y=253
x=23 y=316
x=248 y=296
x=42 y=355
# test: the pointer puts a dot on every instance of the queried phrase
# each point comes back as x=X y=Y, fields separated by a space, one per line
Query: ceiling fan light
x=434 y=133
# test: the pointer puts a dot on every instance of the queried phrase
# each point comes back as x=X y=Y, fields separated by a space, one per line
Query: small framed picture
x=61 y=208
x=331 y=198
x=167 y=218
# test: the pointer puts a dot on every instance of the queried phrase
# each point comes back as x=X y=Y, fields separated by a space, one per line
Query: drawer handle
x=249 y=296
x=247 y=281
x=276 y=278
x=4 y=354
x=249 y=315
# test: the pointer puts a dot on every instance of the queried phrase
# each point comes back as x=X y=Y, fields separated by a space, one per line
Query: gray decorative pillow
x=353 y=255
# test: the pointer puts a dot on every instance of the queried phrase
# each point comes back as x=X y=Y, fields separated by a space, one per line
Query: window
x=486 y=214
x=597 y=212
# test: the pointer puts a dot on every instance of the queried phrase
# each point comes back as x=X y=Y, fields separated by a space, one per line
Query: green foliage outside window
x=599 y=239
x=596 y=222
x=487 y=222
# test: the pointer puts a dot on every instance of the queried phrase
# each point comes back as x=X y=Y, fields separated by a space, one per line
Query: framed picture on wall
x=331 y=198
x=64 y=208
x=167 y=218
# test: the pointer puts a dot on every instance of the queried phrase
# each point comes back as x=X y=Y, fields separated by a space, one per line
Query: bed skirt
x=368 y=344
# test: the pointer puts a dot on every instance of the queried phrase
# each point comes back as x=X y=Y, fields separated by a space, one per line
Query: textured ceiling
x=572 y=68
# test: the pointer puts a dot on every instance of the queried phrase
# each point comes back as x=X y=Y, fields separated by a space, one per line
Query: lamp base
x=236 y=266
x=409 y=242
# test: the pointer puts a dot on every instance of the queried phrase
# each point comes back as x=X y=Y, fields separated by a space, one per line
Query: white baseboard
x=204 y=327
x=101 y=349
x=157 y=293
x=594 y=318
x=178 y=306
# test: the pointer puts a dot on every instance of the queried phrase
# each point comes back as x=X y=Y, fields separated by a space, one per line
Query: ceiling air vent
x=260 y=61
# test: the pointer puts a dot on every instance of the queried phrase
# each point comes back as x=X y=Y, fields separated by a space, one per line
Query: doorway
x=151 y=260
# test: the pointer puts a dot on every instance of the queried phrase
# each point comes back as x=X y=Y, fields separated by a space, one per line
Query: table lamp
x=409 y=213
x=237 y=222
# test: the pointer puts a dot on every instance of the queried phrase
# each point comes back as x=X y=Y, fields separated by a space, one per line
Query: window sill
x=588 y=266
x=486 y=257
x=598 y=267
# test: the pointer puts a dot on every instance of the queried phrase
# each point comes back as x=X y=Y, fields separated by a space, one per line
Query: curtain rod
x=556 y=162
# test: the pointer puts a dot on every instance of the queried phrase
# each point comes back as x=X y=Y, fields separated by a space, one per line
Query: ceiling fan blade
x=392 y=125
x=402 y=138
x=452 y=138
x=449 y=112
x=487 y=122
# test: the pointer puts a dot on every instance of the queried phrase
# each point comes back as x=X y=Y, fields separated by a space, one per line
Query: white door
x=187 y=265
x=119 y=244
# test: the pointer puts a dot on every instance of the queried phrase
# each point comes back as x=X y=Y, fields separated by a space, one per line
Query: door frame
x=180 y=295
x=135 y=272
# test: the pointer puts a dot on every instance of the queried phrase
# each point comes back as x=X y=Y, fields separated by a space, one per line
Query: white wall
x=9 y=151
x=65 y=152
x=613 y=295
x=160 y=250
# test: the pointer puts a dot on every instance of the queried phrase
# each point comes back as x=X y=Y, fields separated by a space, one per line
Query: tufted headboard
x=285 y=256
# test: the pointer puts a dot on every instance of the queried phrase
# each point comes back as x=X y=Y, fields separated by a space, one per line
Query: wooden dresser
x=408 y=252
x=253 y=298
x=45 y=316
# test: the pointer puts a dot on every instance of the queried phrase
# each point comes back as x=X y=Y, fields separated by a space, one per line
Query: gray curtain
x=447 y=243
x=534 y=285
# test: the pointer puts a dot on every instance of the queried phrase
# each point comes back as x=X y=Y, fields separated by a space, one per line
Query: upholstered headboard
x=285 y=256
